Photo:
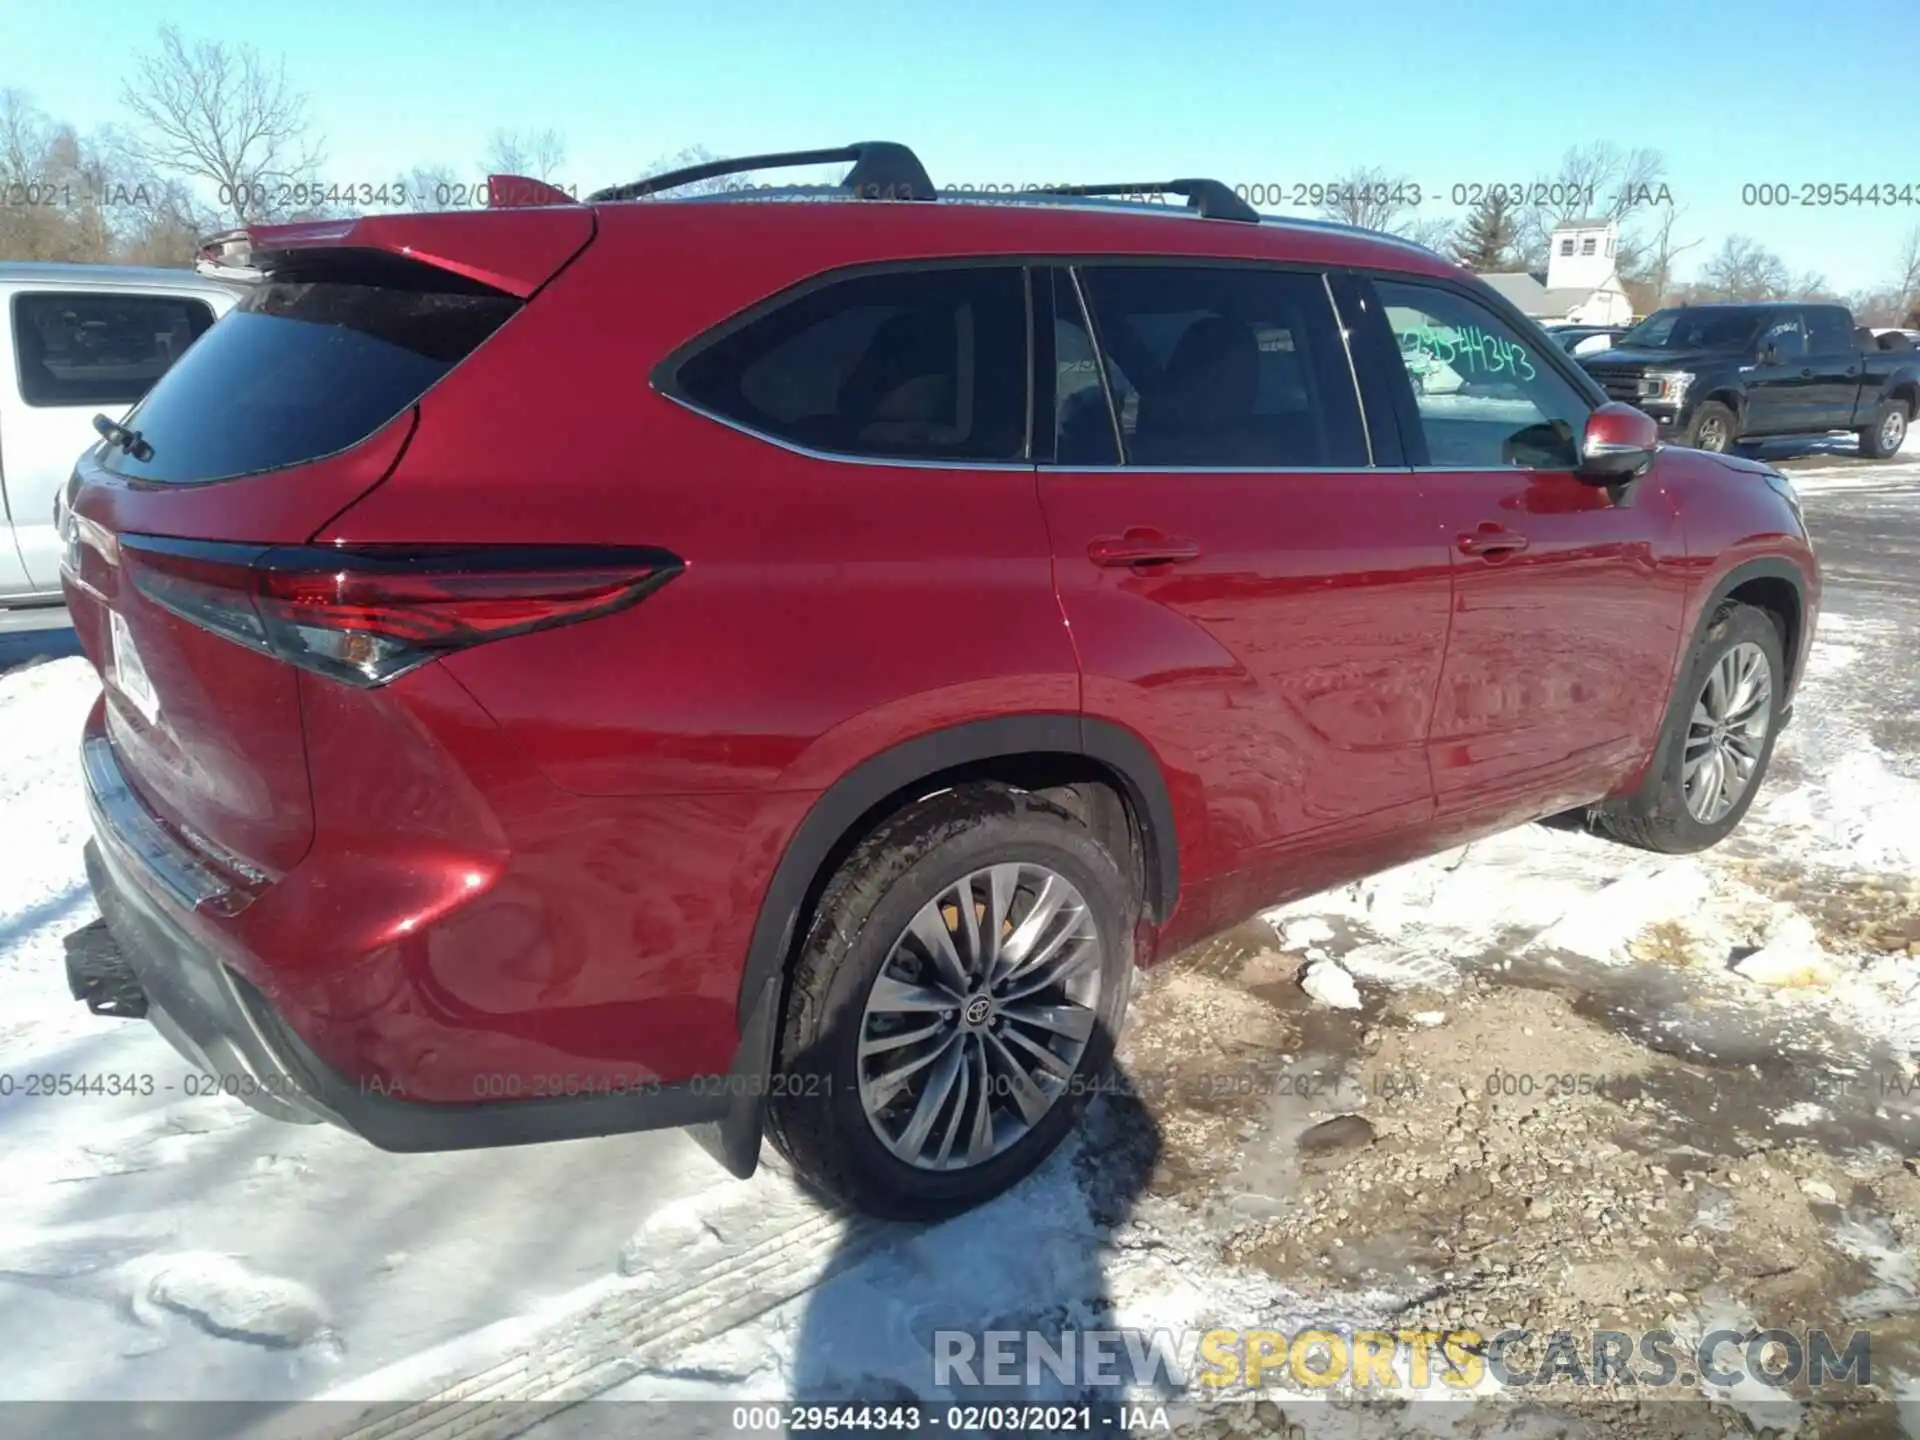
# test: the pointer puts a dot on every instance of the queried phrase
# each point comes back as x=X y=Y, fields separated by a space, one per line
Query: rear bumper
x=195 y=1002
x=232 y=1032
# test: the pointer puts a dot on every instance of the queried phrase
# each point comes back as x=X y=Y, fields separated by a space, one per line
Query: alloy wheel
x=978 y=1019
x=1712 y=436
x=1727 y=732
x=1893 y=430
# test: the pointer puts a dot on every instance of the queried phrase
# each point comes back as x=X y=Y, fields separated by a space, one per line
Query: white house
x=1582 y=283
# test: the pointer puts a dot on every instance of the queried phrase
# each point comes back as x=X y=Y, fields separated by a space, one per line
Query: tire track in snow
x=634 y=1330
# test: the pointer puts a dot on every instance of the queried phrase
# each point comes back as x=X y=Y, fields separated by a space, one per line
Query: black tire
x=1729 y=423
x=1656 y=817
x=815 y=1116
x=1873 y=437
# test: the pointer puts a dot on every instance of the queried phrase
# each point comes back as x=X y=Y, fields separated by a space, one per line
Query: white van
x=78 y=341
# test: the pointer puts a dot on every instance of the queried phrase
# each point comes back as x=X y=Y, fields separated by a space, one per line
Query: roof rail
x=882 y=170
x=1208 y=198
x=1344 y=228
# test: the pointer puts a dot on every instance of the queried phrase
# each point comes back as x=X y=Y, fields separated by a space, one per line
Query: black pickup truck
x=1714 y=375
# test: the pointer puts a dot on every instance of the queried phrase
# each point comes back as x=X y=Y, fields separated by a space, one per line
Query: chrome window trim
x=120 y=814
x=1353 y=372
x=1488 y=470
x=1028 y=466
x=1099 y=369
x=887 y=461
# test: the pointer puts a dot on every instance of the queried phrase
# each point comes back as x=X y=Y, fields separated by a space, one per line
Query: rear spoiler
x=530 y=230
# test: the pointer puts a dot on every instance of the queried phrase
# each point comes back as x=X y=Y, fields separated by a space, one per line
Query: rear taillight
x=368 y=614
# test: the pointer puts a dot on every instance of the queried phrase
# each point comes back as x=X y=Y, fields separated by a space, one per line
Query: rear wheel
x=1713 y=427
x=1887 y=433
x=1717 y=743
x=961 y=985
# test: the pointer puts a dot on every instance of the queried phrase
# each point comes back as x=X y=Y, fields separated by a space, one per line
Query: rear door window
x=1225 y=367
x=1830 y=332
x=308 y=365
x=100 y=348
x=922 y=364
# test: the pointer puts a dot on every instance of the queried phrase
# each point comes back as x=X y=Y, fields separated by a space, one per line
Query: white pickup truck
x=78 y=341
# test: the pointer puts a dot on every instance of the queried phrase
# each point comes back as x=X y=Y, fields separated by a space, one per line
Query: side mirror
x=1617 y=444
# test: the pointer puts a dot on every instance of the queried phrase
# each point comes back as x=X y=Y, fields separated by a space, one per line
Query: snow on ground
x=41 y=711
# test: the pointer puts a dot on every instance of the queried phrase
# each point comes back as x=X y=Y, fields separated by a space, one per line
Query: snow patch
x=1299 y=934
x=1872 y=1241
x=225 y=1298
x=1327 y=983
x=1792 y=959
x=1399 y=969
x=1802 y=1114
x=1603 y=925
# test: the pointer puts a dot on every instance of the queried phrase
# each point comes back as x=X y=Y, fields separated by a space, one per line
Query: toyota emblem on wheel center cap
x=977 y=1010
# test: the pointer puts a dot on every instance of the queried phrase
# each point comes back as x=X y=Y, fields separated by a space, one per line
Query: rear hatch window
x=310 y=363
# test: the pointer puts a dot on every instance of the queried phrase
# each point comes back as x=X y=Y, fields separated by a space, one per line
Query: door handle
x=1853 y=370
x=1142 y=546
x=1806 y=372
x=1492 y=543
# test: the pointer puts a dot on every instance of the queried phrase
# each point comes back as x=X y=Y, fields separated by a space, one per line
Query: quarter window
x=1222 y=367
x=1486 y=396
x=100 y=348
x=927 y=364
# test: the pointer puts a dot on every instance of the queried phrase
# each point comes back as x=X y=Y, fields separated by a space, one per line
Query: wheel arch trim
x=838 y=808
x=734 y=1137
x=1766 y=567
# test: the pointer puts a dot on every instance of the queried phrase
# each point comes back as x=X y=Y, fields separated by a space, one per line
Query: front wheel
x=1887 y=433
x=1717 y=741
x=960 y=989
x=1713 y=428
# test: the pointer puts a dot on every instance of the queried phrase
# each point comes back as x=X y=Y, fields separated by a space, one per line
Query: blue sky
x=1733 y=91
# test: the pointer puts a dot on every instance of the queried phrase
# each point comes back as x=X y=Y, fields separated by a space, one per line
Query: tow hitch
x=98 y=973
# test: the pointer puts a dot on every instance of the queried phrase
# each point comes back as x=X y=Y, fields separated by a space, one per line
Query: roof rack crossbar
x=882 y=170
x=1208 y=198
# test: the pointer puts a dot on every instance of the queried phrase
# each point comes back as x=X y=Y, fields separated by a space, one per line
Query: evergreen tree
x=1488 y=235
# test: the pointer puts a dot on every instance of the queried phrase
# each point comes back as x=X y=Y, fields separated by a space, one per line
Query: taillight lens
x=369 y=614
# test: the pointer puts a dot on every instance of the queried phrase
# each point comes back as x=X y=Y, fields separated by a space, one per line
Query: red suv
x=583 y=667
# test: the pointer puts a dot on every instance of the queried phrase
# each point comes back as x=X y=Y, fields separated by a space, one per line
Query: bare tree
x=29 y=228
x=436 y=187
x=1437 y=234
x=1649 y=276
x=537 y=154
x=50 y=209
x=1599 y=181
x=1743 y=269
x=1813 y=285
x=1372 y=199
x=75 y=197
x=1368 y=198
x=1906 y=278
x=224 y=119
